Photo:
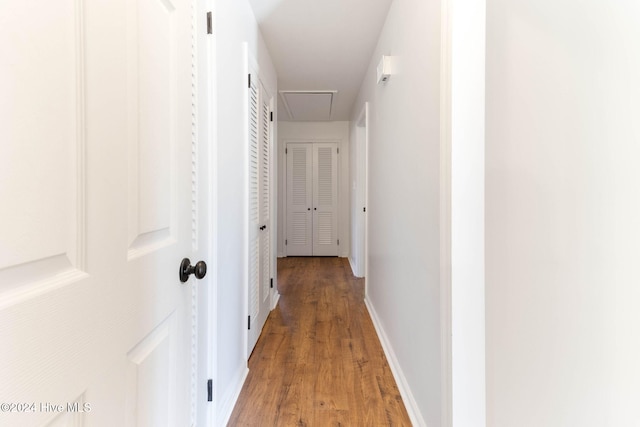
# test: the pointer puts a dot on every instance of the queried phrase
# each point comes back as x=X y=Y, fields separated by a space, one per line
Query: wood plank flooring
x=318 y=361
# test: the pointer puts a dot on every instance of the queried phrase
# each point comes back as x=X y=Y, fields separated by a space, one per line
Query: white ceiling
x=321 y=45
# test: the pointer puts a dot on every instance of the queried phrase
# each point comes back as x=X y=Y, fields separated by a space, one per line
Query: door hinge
x=209 y=23
x=249 y=81
x=286 y=150
x=364 y=209
x=271 y=115
x=338 y=241
x=249 y=323
x=272 y=283
x=286 y=242
x=210 y=391
x=338 y=151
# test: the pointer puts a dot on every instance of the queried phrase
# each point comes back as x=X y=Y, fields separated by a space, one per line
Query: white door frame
x=462 y=286
x=362 y=190
x=273 y=218
x=206 y=292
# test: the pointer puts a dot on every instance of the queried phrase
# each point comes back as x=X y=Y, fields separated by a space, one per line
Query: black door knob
x=186 y=269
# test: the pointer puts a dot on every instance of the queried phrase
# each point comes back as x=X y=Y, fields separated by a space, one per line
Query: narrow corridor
x=318 y=361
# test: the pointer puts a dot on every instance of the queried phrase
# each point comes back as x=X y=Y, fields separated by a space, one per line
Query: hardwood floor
x=318 y=361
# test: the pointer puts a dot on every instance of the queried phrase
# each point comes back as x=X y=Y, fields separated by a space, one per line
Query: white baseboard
x=352 y=263
x=226 y=407
x=275 y=300
x=405 y=391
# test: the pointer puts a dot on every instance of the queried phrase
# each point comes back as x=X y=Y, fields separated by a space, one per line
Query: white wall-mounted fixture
x=384 y=69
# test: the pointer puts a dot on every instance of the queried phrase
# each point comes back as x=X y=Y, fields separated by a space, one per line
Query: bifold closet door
x=325 y=199
x=265 y=197
x=312 y=187
x=259 y=208
x=299 y=199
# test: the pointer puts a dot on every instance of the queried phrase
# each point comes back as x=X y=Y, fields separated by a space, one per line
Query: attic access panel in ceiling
x=313 y=105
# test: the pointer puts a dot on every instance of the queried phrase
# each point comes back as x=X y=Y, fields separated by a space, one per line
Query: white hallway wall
x=234 y=25
x=403 y=287
x=307 y=132
x=563 y=213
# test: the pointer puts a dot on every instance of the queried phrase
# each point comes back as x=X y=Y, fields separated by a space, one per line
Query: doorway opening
x=312 y=199
x=359 y=195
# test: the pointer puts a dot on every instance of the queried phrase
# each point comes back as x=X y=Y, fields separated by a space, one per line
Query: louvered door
x=312 y=189
x=299 y=199
x=265 y=196
x=254 y=211
x=259 y=207
x=325 y=199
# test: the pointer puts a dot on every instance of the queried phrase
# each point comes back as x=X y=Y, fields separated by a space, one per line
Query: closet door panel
x=265 y=194
x=254 y=212
x=325 y=199
x=299 y=199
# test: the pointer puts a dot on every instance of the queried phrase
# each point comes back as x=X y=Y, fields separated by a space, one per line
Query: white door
x=205 y=220
x=325 y=199
x=97 y=208
x=312 y=199
x=360 y=193
x=265 y=199
x=259 y=209
x=299 y=239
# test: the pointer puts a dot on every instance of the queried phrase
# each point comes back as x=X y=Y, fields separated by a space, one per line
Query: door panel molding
x=43 y=228
x=151 y=94
x=151 y=377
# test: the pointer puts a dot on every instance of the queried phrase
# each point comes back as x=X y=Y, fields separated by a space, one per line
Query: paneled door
x=97 y=209
x=312 y=199
x=259 y=103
